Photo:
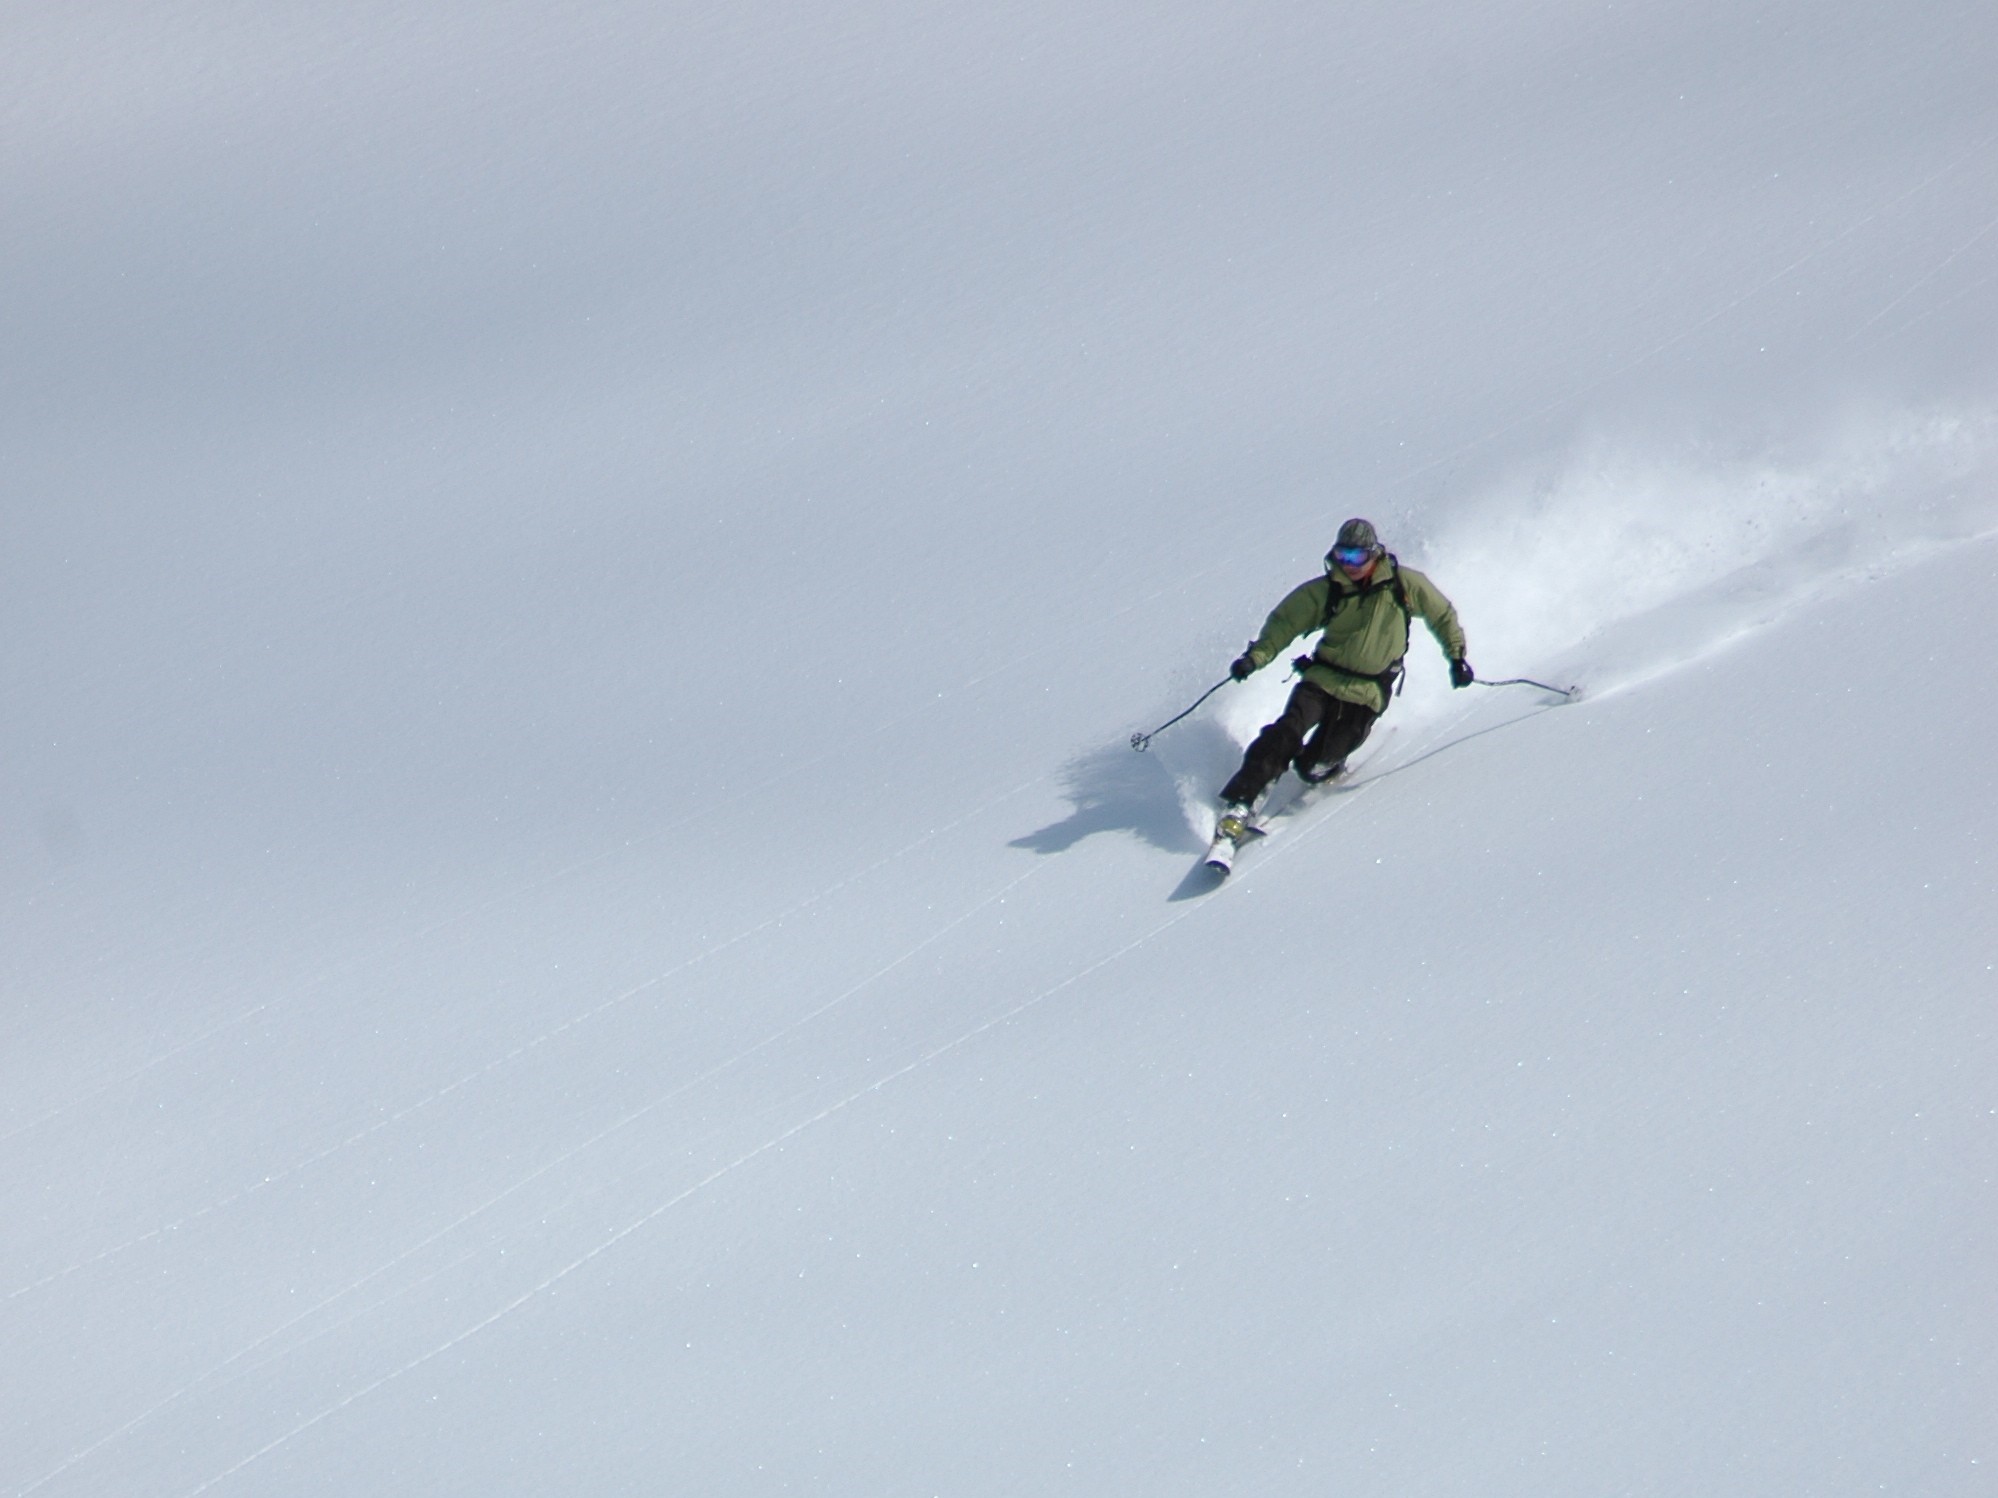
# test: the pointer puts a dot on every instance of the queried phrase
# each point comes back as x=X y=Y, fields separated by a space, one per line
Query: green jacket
x=1367 y=634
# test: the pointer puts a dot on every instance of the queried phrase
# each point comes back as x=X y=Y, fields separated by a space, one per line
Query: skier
x=1363 y=604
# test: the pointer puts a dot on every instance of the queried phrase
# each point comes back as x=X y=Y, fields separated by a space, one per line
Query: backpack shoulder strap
x=1394 y=585
x=1400 y=588
x=1333 y=598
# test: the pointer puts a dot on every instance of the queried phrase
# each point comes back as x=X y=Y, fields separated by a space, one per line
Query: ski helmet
x=1356 y=536
x=1356 y=533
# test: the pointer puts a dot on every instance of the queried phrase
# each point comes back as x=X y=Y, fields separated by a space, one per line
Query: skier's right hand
x=1243 y=667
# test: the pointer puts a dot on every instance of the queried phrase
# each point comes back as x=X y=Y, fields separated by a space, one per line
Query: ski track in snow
x=384 y=949
x=1940 y=307
x=381 y=951
x=220 y=1376
x=776 y=1141
x=1424 y=749
x=1946 y=262
x=527 y=1047
x=214 y=1377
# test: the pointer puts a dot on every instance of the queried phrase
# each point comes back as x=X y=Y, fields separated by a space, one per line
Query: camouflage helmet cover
x=1353 y=534
x=1357 y=533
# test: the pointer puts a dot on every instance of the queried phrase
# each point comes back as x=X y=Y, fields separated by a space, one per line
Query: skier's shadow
x=1115 y=790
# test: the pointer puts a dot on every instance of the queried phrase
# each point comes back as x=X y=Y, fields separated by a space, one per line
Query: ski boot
x=1237 y=824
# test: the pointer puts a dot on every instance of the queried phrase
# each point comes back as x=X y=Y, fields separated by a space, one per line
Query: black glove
x=1243 y=667
x=1461 y=674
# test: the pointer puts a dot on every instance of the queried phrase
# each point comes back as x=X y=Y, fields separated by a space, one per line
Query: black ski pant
x=1315 y=732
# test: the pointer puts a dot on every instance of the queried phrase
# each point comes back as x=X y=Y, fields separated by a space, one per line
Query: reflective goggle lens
x=1352 y=556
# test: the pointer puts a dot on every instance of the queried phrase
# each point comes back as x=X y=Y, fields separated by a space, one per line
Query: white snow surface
x=576 y=914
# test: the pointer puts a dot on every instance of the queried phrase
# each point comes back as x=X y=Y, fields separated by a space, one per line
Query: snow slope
x=575 y=911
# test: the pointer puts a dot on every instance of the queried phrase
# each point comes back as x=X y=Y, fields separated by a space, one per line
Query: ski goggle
x=1352 y=556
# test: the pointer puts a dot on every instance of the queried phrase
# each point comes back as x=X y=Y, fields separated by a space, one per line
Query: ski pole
x=1142 y=741
x=1527 y=681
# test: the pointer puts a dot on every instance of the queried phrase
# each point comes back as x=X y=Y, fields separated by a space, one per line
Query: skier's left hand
x=1461 y=674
